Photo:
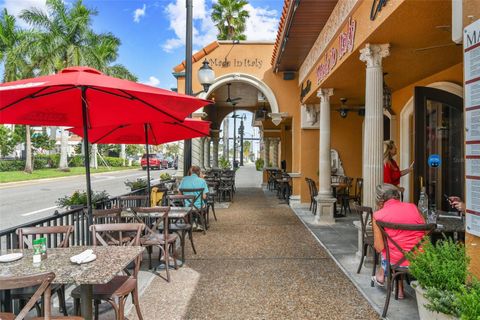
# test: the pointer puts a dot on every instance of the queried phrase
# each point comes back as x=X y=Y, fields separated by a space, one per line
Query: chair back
x=57 y=236
x=107 y=216
x=198 y=193
x=426 y=228
x=365 y=215
x=155 y=215
x=359 y=190
x=40 y=280
x=309 y=183
x=114 y=233
x=133 y=201
x=181 y=200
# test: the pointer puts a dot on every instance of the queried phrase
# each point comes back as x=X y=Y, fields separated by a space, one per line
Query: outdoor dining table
x=109 y=262
x=450 y=223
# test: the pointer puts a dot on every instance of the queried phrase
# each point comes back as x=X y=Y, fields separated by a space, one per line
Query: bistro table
x=450 y=223
x=110 y=261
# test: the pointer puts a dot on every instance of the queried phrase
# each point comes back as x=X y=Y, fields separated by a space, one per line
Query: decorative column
x=275 y=142
x=215 y=151
x=325 y=201
x=266 y=150
x=372 y=55
x=201 y=157
x=207 y=153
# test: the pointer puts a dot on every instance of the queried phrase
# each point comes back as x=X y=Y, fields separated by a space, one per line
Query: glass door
x=439 y=146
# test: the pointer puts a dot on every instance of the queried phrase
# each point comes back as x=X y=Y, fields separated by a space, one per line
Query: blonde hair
x=388 y=145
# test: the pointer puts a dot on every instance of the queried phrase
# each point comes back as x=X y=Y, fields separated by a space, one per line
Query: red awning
x=56 y=100
x=158 y=132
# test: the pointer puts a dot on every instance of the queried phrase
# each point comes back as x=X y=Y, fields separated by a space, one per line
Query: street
x=31 y=200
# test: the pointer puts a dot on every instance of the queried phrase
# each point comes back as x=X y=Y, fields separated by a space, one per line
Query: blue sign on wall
x=434 y=161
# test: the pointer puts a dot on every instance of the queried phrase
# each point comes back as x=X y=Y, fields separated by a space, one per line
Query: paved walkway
x=258 y=261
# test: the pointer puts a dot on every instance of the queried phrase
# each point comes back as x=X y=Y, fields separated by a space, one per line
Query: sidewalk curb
x=19 y=183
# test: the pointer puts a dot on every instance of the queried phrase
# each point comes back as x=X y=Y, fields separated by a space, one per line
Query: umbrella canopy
x=56 y=100
x=158 y=132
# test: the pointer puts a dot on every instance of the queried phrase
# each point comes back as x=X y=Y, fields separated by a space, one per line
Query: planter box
x=423 y=312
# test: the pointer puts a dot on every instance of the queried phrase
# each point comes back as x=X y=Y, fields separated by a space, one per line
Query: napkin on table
x=81 y=257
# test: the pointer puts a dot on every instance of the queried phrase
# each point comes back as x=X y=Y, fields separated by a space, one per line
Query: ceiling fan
x=229 y=99
x=344 y=109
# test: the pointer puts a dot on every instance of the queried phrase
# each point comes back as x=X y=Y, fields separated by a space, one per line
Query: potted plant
x=259 y=163
x=441 y=282
x=79 y=199
x=136 y=184
x=223 y=163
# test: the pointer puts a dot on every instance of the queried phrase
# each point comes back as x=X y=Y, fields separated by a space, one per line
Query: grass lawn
x=14 y=176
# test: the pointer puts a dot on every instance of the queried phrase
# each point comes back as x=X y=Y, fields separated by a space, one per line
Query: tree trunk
x=53 y=136
x=63 y=150
x=28 y=151
x=93 y=156
x=123 y=153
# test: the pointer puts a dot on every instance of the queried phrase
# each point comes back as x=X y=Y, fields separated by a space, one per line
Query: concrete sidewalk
x=340 y=241
x=258 y=261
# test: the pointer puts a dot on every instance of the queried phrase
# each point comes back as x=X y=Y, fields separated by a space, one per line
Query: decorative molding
x=277 y=117
x=373 y=54
x=324 y=94
x=337 y=18
x=310 y=116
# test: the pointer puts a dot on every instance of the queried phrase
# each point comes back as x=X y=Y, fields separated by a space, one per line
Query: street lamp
x=241 y=132
x=206 y=75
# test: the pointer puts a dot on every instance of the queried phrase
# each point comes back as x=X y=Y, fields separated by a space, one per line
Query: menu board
x=471 y=43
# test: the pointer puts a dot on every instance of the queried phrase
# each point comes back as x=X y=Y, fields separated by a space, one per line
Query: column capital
x=324 y=94
x=373 y=54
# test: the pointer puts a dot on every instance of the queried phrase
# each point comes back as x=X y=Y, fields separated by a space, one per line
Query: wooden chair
x=164 y=241
x=312 y=187
x=199 y=211
x=120 y=287
x=365 y=217
x=183 y=226
x=357 y=197
x=133 y=201
x=41 y=284
x=396 y=272
x=344 y=196
x=57 y=236
x=107 y=215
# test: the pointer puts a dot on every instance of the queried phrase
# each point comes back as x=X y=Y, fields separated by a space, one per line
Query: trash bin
x=235 y=164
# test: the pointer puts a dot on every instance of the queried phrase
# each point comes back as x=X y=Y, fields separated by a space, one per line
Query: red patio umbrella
x=148 y=133
x=84 y=97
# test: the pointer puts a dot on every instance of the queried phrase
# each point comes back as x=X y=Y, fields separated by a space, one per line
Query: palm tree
x=67 y=40
x=229 y=17
x=15 y=50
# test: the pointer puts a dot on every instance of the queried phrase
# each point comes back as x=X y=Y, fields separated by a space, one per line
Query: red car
x=155 y=162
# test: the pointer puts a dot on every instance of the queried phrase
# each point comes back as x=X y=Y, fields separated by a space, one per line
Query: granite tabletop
x=110 y=260
x=450 y=224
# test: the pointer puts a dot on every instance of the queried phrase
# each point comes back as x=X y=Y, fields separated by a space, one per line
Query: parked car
x=155 y=161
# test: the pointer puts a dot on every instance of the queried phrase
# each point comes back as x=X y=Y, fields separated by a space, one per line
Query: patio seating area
x=256 y=260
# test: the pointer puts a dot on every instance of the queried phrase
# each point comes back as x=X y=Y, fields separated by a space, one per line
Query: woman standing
x=391 y=171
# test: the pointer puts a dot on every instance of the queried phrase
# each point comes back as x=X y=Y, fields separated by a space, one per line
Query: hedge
x=114 y=162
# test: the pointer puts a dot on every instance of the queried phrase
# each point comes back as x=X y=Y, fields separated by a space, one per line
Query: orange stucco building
x=345 y=76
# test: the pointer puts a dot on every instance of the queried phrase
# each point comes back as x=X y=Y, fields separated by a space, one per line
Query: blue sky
x=152 y=31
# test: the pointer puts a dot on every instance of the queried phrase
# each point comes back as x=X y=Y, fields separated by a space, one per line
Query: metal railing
x=77 y=217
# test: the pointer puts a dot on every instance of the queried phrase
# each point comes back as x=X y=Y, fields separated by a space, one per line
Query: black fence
x=76 y=217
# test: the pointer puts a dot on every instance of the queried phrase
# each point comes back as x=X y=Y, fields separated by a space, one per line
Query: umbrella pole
x=148 y=164
x=87 y=163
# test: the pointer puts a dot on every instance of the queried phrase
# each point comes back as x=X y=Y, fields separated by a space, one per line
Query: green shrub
x=76 y=161
x=259 y=163
x=441 y=270
x=80 y=198
x=114 y=162
x=165 y=176
x=12 y=165
x=137 y=184
x=40 y=163
x=469 y=302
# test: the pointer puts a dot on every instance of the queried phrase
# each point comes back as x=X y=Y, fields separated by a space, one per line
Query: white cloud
x=203 y=28
x=261 y=25
x=138 y=13
x=152 y=81
x=15 y=7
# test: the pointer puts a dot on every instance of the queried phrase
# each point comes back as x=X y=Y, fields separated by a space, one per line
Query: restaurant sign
x=252 y=62
x=346 y=41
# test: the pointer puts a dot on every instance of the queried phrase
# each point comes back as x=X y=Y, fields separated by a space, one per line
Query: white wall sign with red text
x=471 y=58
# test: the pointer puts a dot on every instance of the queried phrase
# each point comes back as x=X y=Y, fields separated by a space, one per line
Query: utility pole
x=187 y=151
x=241 y=132
x=234 y=135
